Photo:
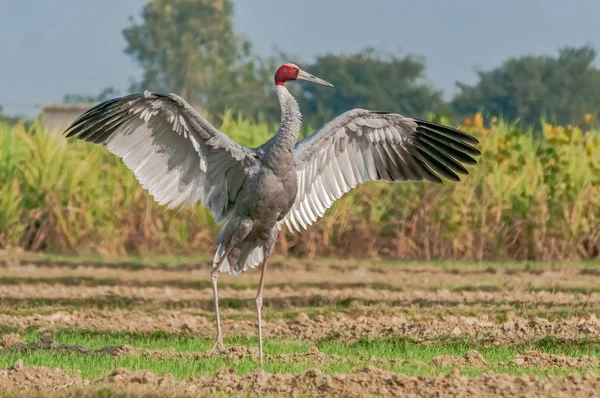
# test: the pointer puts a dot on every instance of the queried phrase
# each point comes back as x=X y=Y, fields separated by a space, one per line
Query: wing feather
x=173 y=151
x=360 y=146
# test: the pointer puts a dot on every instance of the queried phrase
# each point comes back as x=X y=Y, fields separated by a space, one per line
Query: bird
x=179 y=157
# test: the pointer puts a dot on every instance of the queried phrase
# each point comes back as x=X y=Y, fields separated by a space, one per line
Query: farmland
x=488 y=286
x=74 y=325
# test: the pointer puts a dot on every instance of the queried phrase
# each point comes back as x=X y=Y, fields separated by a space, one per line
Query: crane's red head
x=287 y=72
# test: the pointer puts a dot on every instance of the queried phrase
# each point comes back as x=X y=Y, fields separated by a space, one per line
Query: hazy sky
x=48 y=49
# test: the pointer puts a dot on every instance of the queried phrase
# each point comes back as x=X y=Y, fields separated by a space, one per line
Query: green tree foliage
x=562 y=88
x=368 y=80
x=188 y=47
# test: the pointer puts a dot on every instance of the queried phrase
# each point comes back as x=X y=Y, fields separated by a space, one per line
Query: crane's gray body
x=268 y=197
x=275 y=185
x=179 y=157
x=270 y=194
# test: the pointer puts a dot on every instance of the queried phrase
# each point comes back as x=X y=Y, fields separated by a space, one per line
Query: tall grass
x=526 y=199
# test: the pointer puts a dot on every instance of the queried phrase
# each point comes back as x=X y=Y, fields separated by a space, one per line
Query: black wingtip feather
x=464 y=137
x=438 y=166
x=443 y=150
x=461 y=152
x=443 y=156
x=100 y=110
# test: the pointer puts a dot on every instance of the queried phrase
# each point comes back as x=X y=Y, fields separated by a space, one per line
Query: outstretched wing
x=173 y=151
x=360 y=146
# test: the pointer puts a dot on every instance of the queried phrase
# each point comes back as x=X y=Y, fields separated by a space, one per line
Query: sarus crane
x=178 y=156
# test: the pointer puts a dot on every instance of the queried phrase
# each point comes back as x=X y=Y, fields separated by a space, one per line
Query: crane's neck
x=291 y=120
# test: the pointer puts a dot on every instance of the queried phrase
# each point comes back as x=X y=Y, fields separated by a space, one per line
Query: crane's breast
x=272 y=196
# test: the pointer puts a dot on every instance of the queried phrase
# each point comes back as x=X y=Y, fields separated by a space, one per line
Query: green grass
x=159 y=341
x=400 y=347
x=92 y=367
x=416 y=357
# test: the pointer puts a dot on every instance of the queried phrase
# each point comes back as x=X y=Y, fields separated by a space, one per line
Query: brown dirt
x=535 y=358
x=471 y=358
x=294 y=286
x=237 y=352
x=341 y=327
x=20 y=377
x=367 y=382
x=11 y=340
x=419 y=302
x=410 y=277
x=15 y=298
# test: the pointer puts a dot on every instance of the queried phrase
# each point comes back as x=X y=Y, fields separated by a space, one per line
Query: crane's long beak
x=308 y=77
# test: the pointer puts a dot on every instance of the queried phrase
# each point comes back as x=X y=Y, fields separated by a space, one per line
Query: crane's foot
x=220 y=346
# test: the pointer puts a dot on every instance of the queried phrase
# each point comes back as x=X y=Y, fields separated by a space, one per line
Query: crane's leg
x=214 y=276
x=259 y=302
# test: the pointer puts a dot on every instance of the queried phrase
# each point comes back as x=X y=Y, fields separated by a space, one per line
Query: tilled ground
x=346 y=328
x=370 y=381
x=491 y=305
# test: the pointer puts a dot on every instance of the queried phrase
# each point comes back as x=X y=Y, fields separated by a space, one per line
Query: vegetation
x=563 y=88
x=404 y=356
x=189 y=47
x=534 y=194
x=527 y=199
x=371 y=81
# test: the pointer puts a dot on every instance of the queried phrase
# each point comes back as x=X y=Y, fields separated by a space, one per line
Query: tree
x=188 y=47
x=368 y=80
x=562 y=88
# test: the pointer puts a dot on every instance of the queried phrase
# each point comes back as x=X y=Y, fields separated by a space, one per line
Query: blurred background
x=523 y=77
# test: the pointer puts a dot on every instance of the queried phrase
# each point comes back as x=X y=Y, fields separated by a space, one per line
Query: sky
x=48 y=49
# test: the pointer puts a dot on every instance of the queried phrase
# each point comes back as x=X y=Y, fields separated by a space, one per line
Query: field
x=533 y=196
x=515 y=312
x=77 y=326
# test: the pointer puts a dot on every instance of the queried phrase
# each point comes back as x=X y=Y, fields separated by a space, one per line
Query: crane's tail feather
x=244 y=255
